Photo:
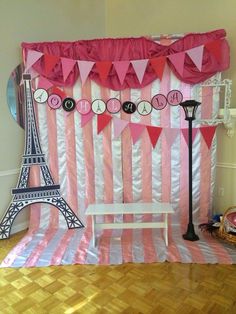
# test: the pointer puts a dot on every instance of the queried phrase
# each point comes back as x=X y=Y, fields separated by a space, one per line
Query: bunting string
x=154 y=132
x=55 y=96
x=121 y=67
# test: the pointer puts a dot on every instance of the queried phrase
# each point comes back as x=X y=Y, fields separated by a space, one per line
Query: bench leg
x=166 y=229
x=93 y=231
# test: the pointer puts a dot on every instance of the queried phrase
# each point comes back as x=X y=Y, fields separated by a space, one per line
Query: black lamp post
x=190 y=108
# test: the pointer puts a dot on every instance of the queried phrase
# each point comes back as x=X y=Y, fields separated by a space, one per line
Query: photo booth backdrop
x=96 y=168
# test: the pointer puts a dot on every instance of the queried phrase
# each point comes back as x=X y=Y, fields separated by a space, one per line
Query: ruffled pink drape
x=132 y=49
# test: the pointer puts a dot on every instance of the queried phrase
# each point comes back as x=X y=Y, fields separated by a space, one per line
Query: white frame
x=224 y=115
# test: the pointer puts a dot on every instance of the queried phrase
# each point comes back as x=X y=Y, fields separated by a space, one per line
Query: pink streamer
x=35 y=254
x=71 y=159
x=82 y=249
x=219 y=251
x=205 y=166
x=17 y=250
x=54 y=214
x=71 y=195
x=127 y=235
x=146 y=166
x=53 y=160
x=104 y=244
x=166 y=163
x=61 y=248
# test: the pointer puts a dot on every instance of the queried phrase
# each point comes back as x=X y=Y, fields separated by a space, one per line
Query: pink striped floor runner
x=64 y=247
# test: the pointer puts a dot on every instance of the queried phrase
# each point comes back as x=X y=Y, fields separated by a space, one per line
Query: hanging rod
x=170 y=36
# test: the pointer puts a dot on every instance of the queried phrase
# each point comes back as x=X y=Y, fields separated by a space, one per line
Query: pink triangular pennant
x=185 y=134
x=84 y=68
x=119 y=126
x=102 y=121
x=170 y=134
x=196 y=55
x=158 y=65
x=121 y=68
x=103 y=68
x=49 y=63
x=44 y=83
x=32 y=57
x=136 y=130
x=154 y=133
x=139 y=68
x=208 y=133
x=67 y=66
x=86 y=118
x=177 y=59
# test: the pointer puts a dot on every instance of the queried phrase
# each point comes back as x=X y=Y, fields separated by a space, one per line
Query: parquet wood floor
x=128 y=288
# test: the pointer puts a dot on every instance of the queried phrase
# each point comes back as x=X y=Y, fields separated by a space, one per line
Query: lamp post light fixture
x=190 y=108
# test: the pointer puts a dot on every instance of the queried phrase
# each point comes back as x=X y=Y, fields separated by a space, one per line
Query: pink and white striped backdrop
x=95 y=168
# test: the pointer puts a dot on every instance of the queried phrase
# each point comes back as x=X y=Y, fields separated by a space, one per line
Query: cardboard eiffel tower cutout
x=23 y=195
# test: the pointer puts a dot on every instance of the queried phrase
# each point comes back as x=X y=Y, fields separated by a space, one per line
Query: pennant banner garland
x=177 y=59
x=196 y=55
x=185 y=134
x=136 y=130
x=154 y=132
x=170 y=135
x=86 y=118
x=67 y=67
x=32 y=58
x=44 y=83
x=103 y=68
x=119 y=126
x=208 y=133
x=49 y=63
x=102 y=122
x=158 y=64
x=139 y=68
x=84 y=68
x=121 y=67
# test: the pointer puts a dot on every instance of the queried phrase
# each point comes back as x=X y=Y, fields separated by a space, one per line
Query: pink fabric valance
x=132 y=49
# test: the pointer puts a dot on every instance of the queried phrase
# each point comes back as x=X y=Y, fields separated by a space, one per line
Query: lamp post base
x=190 y=235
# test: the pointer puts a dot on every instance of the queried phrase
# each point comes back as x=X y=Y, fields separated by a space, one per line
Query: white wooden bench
x=129 y=208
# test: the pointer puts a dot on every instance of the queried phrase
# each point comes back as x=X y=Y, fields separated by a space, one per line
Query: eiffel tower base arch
x=17 y=205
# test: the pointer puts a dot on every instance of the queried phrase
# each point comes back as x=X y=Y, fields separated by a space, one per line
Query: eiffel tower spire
x=23 y=195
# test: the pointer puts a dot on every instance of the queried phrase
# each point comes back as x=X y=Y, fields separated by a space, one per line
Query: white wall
x=153 y=17
x=32 y=21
